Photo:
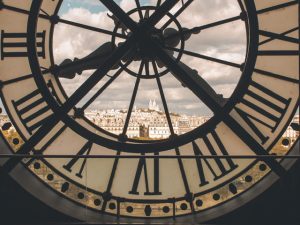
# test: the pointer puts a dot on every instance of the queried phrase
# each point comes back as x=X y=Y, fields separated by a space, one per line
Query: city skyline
x=149 y=123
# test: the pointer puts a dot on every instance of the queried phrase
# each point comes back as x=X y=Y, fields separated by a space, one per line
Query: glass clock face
x=131 y=51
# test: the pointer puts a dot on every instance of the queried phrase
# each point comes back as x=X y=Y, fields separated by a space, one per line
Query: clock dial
x=182 y=172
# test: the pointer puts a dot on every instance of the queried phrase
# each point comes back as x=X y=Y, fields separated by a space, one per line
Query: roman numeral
x=85 y=150
x=32 y=109
x=220 y=168
x=15 y=44
x=277 y=76
x=279 y=36
x=278 y=53
x=263 y=103
x=189 y=196
x=46 y=145
x=276 y=7
x=21 y=78
x=142 y=167
x=107 y=194
x=273 y=36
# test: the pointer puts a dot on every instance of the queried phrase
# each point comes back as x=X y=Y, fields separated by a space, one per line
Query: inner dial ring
x=137 y=55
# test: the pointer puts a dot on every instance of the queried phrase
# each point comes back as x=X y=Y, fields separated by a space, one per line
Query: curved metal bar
x=143 y=156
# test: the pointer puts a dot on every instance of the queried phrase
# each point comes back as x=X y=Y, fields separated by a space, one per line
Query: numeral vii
x=15 y=44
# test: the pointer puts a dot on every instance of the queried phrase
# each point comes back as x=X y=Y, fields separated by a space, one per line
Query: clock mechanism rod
x=40 y=156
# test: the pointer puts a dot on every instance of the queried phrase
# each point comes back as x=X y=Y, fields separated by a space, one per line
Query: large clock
x=195 y=175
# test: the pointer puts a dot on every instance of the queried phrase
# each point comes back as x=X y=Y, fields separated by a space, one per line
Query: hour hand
x=69 y=68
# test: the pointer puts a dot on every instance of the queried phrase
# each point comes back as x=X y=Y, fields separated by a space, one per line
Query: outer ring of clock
x=227 y=206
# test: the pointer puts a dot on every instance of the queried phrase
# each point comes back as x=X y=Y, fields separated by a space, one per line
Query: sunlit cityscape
x=150 y=122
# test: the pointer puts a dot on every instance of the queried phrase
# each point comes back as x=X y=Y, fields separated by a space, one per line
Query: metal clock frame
x=212 y=212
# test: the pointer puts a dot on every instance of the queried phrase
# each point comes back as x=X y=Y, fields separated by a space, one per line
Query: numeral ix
x=15 y=44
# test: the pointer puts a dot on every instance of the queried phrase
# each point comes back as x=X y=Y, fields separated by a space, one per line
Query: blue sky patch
x=94 y=6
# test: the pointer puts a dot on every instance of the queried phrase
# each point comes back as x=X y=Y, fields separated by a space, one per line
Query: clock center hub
x=142 y=51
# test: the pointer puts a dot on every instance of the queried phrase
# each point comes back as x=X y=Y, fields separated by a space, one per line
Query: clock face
x=49 y=96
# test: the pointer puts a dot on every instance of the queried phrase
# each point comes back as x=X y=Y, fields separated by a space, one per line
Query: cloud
x=71 y=42
x=227 y=42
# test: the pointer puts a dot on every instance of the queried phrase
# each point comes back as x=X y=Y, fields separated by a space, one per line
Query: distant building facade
x=290 y=132
x=153 y=106
x=148 y=123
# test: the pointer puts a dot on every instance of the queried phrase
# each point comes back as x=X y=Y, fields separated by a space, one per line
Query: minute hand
x=68 y=68
x=199 y=82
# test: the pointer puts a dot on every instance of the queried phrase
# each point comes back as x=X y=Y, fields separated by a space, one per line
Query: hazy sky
x=224 y=42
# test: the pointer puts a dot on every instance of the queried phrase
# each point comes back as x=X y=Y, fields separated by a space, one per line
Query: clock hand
x=69 y=68
x=118 y=24
x=132 y=55
x=173 y=42
x=161 y=36
x=127 y=21
x=199 y=81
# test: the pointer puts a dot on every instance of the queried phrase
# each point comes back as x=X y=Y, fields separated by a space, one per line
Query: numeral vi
x=142 y=168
